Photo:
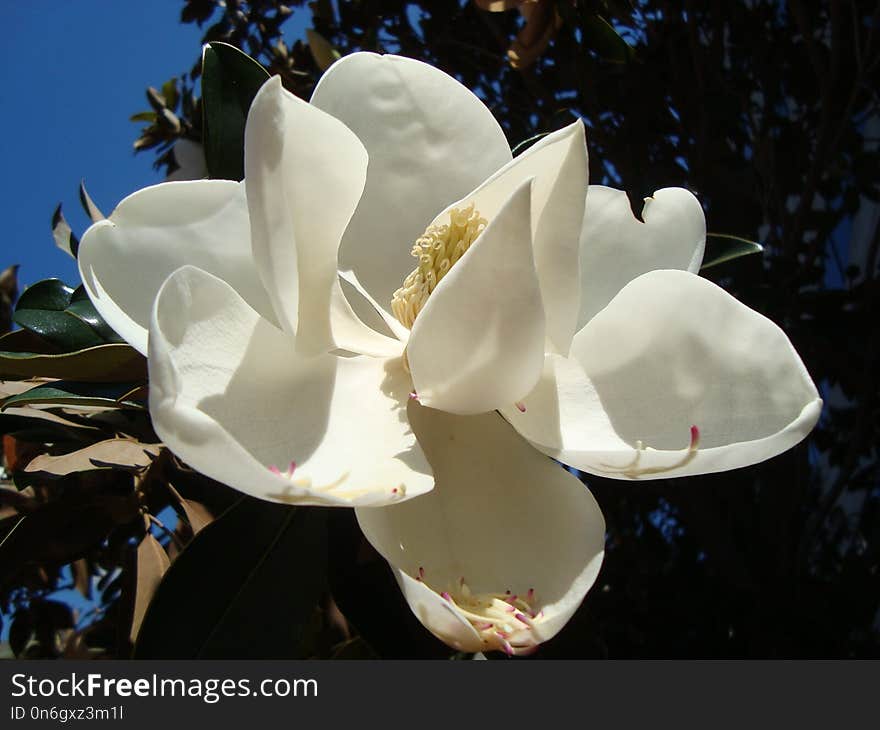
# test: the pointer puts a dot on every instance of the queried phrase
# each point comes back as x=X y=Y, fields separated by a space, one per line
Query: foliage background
x=768 y=111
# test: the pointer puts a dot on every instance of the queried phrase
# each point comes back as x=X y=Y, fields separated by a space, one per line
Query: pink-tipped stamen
x=520 y=406
x=445 y=596
x=505 y=644
x=526 y=650
x=421 y=573
x=275 y=470
x=290 y=469
x=414 y=396
x=695 y=437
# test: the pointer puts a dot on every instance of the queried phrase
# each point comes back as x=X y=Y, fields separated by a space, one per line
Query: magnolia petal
x=437 y=614
x=558 y=164
x=429 y=139
x=124 y=259
x=368 y=309
x=190 y=159
x=501 y=516
x=305 y=173
x=616 y=247
x=478 y=343
x=674 y=362
x=231 y=396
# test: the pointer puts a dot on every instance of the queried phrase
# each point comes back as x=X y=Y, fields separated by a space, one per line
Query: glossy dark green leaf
x=245 y=587
x=63 y=316
x=60 y=328
x=66 y=392
x=230 y=80
x=49 y=294
x=722 y=247
x=81 y=306
x=111 y=362
x=600 y=36
x=25 y=342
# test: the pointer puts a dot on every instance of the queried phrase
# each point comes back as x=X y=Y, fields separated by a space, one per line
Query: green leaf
x=67 y=392
x=112 y=362
x=63 y=316
x=25 y=342
x=81 y=306
x=230 y=80
x=169 y=91
x=49 y=294
x=721 y=247
x=245 y=587
x=143 y=117
x=60 y=328
x=600 y=36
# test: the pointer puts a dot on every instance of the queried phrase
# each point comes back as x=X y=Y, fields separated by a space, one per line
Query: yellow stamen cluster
x=437 y=250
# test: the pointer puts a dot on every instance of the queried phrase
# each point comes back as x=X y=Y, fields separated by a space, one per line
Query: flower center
x=437 y=250
x=504 y=621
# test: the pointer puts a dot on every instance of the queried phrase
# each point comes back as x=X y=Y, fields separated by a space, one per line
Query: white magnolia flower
x=288 y=327
x=190 y=159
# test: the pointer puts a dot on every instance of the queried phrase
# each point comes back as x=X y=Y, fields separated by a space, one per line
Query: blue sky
x=71 y=74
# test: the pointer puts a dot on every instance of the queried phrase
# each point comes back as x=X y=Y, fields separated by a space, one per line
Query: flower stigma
x=504 y=621
x=437 y=250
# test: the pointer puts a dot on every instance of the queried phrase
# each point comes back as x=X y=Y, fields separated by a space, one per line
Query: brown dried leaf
x=197 y=515
x=542 y=23
x=13 y=501
x=323 y=53
x=14 y=387
x=104 y=454
x=93 y=211
x=152 y=562
x=8 y=294
x=81 y=577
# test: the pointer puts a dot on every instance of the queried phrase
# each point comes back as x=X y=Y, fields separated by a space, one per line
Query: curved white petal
x=190 y=159
x=558 y=165
x=502 y=516
x=305 y=173
x=429 y=139
x=124 y=259
x=232 y=397
x=478 y=343
x=616 y=247
x=671 y=351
